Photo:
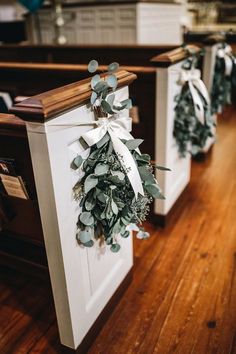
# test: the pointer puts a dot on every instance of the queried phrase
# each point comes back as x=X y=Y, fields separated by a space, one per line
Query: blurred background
x=97 y=21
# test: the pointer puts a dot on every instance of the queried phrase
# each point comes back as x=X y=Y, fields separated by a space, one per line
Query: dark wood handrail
x=68 y=67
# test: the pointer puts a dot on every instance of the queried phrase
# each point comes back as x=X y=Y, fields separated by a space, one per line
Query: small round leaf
x=115 y=248
x=113 y=67
x=84 y=236
x=86 y=218
x=93 y=98
x=92 y=66
x=112 y=81
x=95 y=80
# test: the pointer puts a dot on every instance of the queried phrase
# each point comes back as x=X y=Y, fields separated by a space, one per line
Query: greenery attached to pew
x=105 y=194
x=190 y=134
x=222 y=81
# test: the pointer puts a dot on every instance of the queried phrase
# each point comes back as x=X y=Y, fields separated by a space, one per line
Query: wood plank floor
x=183 y=296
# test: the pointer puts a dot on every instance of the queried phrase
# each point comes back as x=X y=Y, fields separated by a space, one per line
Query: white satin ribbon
x=226 y=54
x=196 y=86
x=118 y=128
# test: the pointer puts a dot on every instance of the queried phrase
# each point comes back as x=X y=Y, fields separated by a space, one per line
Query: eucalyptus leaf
x=110 y=99
x=114 y=207
x=118 y=174
x=125 y=234
x=115 y=248
x=90 y=202
x=101 y=169
x=100 y=86
x=77 y=162
x=146 y=175
x=92 y=66
x=102 y=197
x=89 y=243
x=95 y=80
x=133 y=143
x=162 y=168
x=84 y=236
x=86 y=218
x=112 y=81
x=154 y=191
x=143 y=158
x=93 y=98
x=106 y=107
x=127 y=103
x=90 y=183
x=103 y=141
x=113 y=67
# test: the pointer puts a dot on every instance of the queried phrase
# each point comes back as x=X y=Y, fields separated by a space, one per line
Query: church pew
x=19 y=79
x=144 y=93
x=86 y=283
x=137 y=55
x=21 y=237
x=198 y=38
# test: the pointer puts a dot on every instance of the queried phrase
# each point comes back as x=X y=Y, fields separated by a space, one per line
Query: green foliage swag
x=222 y=84
x=190 y=134
x=109 y=206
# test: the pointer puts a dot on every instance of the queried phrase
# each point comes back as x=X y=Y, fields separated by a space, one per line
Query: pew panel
x=21 y=237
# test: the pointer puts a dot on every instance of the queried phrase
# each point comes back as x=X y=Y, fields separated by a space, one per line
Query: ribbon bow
x=118 y=128
x=197 y=87
x=226 y=54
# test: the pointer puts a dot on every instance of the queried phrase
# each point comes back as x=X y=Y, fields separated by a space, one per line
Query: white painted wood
x=141 y=23
x=209 y=65
x=159 y=23
x=166 y=153
x=208 y=75
x=83 y=280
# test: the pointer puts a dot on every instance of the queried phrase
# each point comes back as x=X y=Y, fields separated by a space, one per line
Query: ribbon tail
x=127 y=161
x=228 y=65
x=197 y=103
x=199 y=84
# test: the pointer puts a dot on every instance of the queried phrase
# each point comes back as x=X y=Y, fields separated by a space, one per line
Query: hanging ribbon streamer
x=118 y=128
x=196 y=87
x=226 y=54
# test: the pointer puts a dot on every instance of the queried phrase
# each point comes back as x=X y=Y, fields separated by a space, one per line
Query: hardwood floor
x=183 y=296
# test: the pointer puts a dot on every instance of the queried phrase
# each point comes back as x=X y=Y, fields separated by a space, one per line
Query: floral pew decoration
x=193 y=123
x=224 y=78
x=118 y=182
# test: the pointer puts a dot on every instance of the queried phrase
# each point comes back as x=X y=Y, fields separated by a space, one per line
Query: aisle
x=183 y=296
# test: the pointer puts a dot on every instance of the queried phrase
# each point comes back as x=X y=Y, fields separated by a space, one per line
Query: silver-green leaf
x=90 y=182
x=86 y=218
x=92 y=66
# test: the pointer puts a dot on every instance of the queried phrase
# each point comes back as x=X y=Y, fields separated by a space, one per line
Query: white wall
x=11 y=10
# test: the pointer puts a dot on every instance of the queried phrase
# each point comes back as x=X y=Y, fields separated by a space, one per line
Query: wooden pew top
x=200 y=37
x=11 y=125
x=174 y=56
x=42 y=107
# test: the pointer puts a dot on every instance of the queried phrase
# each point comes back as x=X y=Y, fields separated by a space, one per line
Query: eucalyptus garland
x=222 y=82
x=108 y=202
x=191 y=134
